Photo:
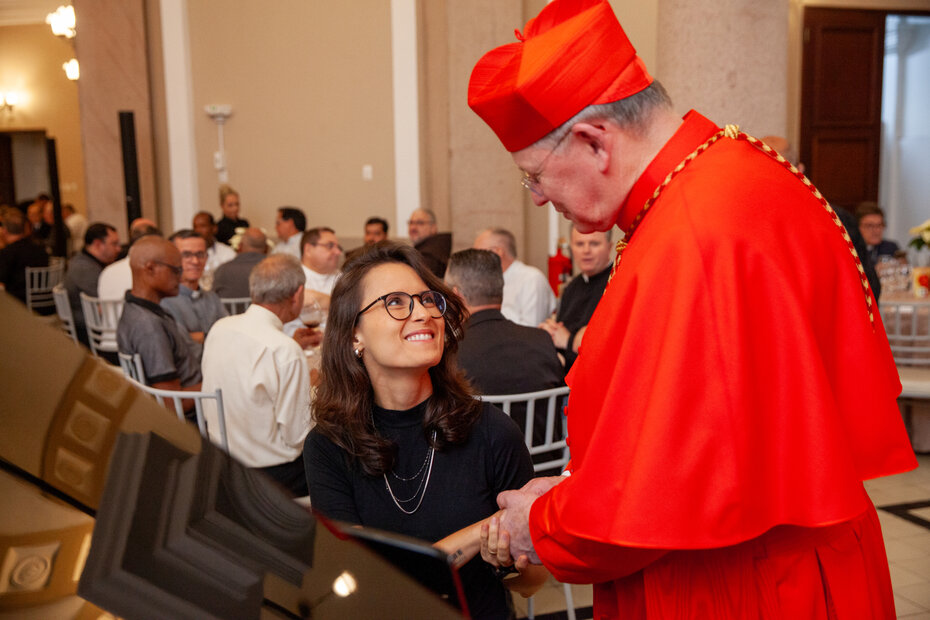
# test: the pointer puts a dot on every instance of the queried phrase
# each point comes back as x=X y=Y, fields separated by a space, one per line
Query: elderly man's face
x=323 y=256
x=573 y=178
x=591 y=252
x=374 y=233
x=193 y=257
x=420 y=226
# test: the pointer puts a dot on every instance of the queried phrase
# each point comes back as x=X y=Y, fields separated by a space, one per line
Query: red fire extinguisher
x=560 y=268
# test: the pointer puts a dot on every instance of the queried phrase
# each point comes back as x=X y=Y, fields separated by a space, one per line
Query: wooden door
x=841 y=97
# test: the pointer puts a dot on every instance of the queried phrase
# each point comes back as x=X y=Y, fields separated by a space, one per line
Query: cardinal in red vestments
x=735 y=386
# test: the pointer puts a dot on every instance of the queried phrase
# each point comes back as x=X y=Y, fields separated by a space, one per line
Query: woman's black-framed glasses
x=400 y=305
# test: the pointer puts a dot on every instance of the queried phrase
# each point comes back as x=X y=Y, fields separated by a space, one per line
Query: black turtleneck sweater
x=463 y=487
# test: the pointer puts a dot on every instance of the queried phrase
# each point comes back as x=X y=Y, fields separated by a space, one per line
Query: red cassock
x=730 y=398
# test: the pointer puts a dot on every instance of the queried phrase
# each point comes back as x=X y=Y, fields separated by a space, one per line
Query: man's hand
x=557 y=331
x=308 y=337
x=515 y=518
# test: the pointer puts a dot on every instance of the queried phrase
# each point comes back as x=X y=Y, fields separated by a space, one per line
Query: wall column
x=111 y=50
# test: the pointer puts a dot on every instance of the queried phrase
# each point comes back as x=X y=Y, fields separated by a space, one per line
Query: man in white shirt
x=217 y=253
x=528 y=298
x=289 y=226
x=320 y=254
x=264 y=375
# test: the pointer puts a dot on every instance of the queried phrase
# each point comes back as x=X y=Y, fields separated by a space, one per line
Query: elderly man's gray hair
x=631 y=112
x=275 y=279
x=478 y=276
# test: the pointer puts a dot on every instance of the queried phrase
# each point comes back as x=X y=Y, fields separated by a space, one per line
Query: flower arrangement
x=922 y=236
x=921 y=272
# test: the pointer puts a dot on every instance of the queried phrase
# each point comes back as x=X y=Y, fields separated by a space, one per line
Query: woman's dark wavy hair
x=344 y=400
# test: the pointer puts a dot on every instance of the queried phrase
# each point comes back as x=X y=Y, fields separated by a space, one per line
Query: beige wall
x=728 y=60
x=310 y=88
x=30 y=64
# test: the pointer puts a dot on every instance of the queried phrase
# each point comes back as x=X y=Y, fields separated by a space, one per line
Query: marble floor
x=904 y=512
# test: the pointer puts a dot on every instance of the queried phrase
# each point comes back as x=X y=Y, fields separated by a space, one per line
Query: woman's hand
x=495 y=543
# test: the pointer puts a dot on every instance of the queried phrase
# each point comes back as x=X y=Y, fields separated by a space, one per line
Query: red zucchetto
x=572 y=55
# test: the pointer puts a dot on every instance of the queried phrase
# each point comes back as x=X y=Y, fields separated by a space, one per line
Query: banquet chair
x=63 y=309
x=132 y=366
x=553 y=401
x=39 y=284
x=553 y=447
x=907 y=324
x=101 y=317
x=172 y=401
x=235 y=305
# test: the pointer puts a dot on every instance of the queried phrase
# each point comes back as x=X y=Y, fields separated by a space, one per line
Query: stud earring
x=358 y=353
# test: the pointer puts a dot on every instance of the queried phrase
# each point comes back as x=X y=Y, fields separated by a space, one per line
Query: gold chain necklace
x=733 y=132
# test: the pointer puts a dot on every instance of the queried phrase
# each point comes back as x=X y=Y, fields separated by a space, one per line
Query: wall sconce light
x=72 y=70
x=8 y=101
x=62 y=21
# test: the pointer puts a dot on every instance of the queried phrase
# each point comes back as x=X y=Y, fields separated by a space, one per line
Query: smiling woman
x=400 y=443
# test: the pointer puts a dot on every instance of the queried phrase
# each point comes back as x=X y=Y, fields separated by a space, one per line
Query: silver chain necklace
x=421 y=487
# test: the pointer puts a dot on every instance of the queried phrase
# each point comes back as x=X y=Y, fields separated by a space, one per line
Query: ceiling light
x=62 y=21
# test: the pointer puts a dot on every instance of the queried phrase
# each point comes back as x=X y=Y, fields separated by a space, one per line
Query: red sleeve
x=577 y=560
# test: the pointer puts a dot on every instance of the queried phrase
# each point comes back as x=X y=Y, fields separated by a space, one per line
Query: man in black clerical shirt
x=592 y=254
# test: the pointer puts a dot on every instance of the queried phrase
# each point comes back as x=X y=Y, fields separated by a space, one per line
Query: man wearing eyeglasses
x=195 y=309
x=726 y=404
x=170 y=359
x=320 y=255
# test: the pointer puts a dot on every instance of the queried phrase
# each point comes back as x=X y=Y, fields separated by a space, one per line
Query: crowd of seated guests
x=404 y=355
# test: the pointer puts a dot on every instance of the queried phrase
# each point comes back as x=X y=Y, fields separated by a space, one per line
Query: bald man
x=116 y=278
x=232 y=279
x=170 y=358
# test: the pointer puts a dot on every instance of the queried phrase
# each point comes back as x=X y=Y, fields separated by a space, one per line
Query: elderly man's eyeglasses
x=532 y=181
x=178 y=270
x=329 y=245
x=400 y=305
x=190 y=255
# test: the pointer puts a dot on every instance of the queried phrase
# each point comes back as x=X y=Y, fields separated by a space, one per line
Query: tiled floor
x=907 y=542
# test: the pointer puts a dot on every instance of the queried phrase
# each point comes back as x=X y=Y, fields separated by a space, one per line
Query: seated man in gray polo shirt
x=168 y=358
